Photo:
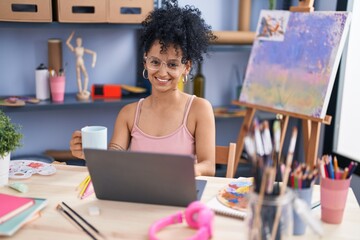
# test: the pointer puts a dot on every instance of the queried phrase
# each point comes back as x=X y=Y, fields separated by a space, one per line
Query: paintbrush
x=289 y=160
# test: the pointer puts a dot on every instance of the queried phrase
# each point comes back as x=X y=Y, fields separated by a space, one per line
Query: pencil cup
x=4 y=170
x=305 y=194
x=333 y=195
x=57 y=88
x=270 y=216
x=94 y=137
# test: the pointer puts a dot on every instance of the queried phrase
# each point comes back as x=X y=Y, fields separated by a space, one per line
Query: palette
x=22 y=169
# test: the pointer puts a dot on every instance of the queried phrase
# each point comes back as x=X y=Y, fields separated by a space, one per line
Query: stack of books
x=16 y=211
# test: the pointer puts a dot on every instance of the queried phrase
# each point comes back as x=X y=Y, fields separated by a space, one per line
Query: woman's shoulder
x=129 y=109
x=200 y=108
x=201 y=103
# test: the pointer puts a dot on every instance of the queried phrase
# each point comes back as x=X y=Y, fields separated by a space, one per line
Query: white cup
x=4 y=170
x=94 y=137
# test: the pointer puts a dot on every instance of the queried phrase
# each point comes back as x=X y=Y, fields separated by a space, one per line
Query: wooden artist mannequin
x=79 y=51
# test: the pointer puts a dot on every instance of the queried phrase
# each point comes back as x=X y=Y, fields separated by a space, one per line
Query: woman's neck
x=165 y=99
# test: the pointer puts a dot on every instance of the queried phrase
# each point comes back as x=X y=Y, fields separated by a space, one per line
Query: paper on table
x=221 y=209
x=231 y=200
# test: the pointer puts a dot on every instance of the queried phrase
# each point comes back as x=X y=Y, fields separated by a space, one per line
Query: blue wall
x=24 y=46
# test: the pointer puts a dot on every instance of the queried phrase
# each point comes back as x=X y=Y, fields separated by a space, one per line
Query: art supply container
x=333 y=195
x=306 y=195
x=42 y=82
x=264 y=212
x=57 y=88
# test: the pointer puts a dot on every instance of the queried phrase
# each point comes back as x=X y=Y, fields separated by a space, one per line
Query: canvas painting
x=294 y=59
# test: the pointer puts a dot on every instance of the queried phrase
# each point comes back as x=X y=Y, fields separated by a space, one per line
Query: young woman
x=169 y=120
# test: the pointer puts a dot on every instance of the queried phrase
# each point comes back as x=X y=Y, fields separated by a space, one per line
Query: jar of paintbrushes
x=270 y=216
x=270 y=206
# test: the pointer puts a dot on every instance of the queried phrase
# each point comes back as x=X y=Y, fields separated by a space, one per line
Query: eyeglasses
x=153 y=63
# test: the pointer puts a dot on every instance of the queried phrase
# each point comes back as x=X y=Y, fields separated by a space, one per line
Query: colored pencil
x=84 y=187
x=88 y=191
x=83 y=182
x=336 y=166
x=353 y=168
x=331 y=168
x=321 y=167
x=345 y=173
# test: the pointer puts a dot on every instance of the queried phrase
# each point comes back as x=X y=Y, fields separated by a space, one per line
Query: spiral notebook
x=232 y=199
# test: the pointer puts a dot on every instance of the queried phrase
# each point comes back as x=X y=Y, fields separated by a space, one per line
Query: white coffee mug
x=94 y=137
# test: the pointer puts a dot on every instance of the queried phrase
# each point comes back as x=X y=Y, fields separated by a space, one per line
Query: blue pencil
x=331 y=168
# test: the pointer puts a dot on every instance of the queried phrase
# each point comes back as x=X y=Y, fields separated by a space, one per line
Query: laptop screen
x=141 y=177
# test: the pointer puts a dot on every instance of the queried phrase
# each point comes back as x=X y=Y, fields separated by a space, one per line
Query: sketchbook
x=232 y=199
x=12 y=205
x=9 y=227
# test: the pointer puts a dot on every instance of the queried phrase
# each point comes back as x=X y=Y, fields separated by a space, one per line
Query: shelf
x=230 y=48
x=70 y=102
x=234 y=37
x=238 y=111
x=4 y=24
x=229 y=112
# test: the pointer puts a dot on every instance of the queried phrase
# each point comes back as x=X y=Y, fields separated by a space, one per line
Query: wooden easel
x=311 y=126
x=304 y=6
x=310 y=129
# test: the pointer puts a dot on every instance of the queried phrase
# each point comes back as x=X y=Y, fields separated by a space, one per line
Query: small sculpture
x=79 y=51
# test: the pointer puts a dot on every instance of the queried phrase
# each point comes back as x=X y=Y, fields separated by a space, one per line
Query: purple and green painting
x=294 y=59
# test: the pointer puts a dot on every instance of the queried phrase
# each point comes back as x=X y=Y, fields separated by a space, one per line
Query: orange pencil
x=336 y=166
x=346 y=170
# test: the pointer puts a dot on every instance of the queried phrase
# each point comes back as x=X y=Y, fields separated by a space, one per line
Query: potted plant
x=10 y=138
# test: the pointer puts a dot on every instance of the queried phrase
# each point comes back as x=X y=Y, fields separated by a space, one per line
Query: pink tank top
x=179 y=142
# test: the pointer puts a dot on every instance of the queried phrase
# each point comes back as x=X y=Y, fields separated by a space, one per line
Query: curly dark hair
x=183 y=28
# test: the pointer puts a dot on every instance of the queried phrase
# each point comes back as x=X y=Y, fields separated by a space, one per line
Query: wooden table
x=123 y=220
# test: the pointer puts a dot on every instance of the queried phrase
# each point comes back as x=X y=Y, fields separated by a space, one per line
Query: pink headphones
x=197 y=216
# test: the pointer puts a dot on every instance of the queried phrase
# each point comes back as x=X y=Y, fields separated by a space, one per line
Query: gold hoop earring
x=144 y=71
x=185 y=79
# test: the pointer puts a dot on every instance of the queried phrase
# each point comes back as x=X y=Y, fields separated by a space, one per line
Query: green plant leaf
x=10 y=135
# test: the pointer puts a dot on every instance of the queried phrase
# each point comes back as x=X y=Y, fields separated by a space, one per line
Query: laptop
x=141 y=177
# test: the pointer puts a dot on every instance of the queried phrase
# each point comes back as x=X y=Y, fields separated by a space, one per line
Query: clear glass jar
x=264 y=214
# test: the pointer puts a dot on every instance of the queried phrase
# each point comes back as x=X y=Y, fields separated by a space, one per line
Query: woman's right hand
x=76 y=145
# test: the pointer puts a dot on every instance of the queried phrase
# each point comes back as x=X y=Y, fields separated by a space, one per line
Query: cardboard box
x=129 y=11
x=84 y=11
x=26 y=10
